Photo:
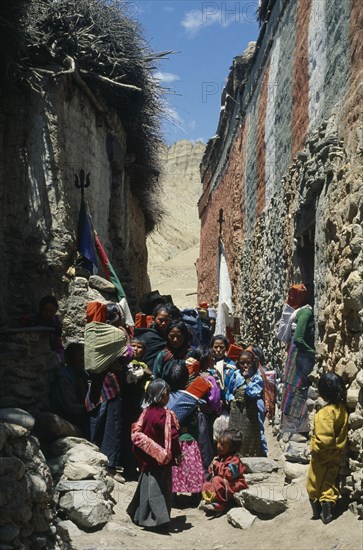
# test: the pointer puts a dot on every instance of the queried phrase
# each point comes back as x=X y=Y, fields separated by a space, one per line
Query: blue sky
x=207 y=35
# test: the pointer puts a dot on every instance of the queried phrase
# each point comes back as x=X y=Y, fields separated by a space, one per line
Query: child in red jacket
x=226 y=474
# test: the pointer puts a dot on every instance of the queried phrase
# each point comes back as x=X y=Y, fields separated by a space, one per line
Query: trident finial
x=82 y=181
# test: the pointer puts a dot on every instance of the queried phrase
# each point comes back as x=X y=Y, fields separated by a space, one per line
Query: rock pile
x=27 y=516
x=266 y=496
x=83 y=489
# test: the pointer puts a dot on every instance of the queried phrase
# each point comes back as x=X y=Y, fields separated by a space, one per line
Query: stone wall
x=286 y=170
x=45 y=140
x=27 y=494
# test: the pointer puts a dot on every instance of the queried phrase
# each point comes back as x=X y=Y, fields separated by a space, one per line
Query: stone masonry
x=286 y=169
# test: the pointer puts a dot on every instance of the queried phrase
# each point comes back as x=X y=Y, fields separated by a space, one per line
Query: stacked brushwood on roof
x=97 y=43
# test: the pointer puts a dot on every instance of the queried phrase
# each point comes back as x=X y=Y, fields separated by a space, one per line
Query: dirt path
x=192 y=530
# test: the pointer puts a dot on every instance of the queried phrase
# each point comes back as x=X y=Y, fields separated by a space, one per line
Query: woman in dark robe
x=176 y=352
x=154 y=337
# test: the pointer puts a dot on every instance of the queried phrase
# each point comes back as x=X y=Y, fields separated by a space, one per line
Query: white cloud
x=168 y=8
x=166 y=77
x=192 y=124
x=194 y=20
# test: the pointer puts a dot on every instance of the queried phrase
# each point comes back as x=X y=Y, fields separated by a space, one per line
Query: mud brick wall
x=47 y=139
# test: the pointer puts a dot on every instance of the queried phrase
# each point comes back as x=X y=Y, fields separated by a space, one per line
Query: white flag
x=225 y=306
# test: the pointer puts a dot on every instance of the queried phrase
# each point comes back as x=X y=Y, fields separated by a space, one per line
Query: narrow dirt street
x=191 y=529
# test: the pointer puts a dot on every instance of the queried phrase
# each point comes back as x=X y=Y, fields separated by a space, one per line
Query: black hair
x=140 y=341
x=48 y=300
x=159 y=308
x=258 y=351
x=220 y=337
x=202 y=354
x=156 y=391
x=71 y=350
x=234 y=439
x=332 y=389
x=184 y=329
x=253 y=357
x=113 y=314
x=174 y=312
x=177 y=377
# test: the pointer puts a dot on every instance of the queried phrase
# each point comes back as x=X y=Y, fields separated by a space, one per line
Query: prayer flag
x=85 y=240
x=225 y=306
x=111 y=276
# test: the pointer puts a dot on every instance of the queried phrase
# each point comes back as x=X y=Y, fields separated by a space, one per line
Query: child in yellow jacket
x=327 y=445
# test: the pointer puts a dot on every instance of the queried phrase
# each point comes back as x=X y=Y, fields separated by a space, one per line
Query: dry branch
x=104 y=51
x=109 y=81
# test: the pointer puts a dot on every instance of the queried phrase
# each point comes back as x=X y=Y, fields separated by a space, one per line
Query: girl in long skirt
x=156 y=447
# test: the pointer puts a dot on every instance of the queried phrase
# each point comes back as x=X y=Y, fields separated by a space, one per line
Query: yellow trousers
x=321 y=482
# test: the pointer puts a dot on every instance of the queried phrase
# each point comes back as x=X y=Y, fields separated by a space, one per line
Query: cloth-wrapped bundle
x=103 y=344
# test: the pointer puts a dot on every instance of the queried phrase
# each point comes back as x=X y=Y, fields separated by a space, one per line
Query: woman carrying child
x=156 y=447
x=243 y=392
x=226 y=471
x=327 y=446
x=176 y=352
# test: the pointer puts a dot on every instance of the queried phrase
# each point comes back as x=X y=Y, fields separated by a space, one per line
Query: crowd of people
x=170 y=407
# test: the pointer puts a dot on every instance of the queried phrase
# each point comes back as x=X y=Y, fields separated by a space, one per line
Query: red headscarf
x=96 y=311
x=297 y=295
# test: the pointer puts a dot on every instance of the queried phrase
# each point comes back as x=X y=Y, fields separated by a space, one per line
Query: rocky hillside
x=174 y=246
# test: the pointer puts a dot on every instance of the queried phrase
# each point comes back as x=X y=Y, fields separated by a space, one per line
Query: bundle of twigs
x=96 y=41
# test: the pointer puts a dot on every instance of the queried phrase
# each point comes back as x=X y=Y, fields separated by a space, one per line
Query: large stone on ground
x=17 y=416
x=94 y=458
x=68 y=530
x=85 y=486
x=294 y=470
x=99 y=283
x=79 y=470
x=257 y=465
x=265 y=500
x=50 y=427
x=240 y=518
x=66 y=444
x=252 y=479
x=297 y=452
x=86 y=510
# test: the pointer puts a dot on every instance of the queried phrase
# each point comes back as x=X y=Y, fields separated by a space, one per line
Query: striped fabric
x=102 y=388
